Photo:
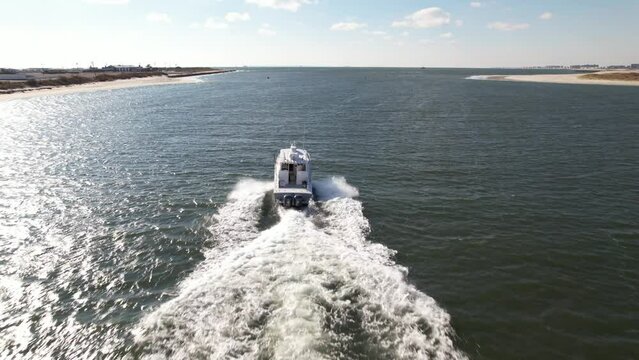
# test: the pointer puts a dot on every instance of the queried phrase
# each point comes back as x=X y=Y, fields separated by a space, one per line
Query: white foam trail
x=237 y=219
x=334 y=187
x=478 y=77
x=297 y=291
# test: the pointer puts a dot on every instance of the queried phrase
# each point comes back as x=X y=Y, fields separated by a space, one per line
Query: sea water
x=454 y=219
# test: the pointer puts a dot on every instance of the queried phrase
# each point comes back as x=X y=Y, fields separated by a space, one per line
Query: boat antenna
x=304 y=136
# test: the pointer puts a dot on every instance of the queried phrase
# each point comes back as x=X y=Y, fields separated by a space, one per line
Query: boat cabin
x=292 y=178
x=293 y=169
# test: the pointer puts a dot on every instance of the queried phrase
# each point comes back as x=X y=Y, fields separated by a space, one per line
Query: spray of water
x=334 y=187
x=297 y=290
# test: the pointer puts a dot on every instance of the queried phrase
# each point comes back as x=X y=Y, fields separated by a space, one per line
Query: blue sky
x=318 y=32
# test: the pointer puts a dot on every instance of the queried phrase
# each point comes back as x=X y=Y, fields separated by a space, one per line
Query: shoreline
x=96 y=86
x=575 y=79
x=107 y=85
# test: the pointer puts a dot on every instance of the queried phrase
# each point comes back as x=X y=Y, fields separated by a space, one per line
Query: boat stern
x=293 y=198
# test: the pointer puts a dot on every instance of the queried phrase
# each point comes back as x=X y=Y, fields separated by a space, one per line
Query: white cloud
x=504 y=26
x=376 y=33
x=424 y=18
x=447 y=35
x=211 y=23
x=347 y=26
x=108 y=2
x=405 y=33
x=426 y=41
x=546 y=16
x=217 y=24
x=158 y=17
x=476 y=4
x=266 y=30
x=236 y=16
x=289 y=5
x=459 y=23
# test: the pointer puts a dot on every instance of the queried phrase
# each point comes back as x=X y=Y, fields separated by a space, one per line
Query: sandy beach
x=561 y=79
x=98 y=86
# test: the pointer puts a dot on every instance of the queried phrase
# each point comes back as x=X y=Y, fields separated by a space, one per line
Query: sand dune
x=599 y=78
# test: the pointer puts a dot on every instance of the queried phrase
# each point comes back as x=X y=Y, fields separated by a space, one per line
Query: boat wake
x=478 y=77
x=309 y=287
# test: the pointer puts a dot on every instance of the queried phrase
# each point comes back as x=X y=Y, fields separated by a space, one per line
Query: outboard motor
x=299 y=201
x=288 y=201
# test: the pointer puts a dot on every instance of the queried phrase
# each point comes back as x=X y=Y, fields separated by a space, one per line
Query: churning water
x=309 y=287
x=454 y=219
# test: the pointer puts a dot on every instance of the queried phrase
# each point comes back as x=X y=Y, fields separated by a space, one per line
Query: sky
x=389 y=33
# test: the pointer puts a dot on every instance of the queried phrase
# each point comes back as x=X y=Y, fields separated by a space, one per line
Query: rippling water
x=458 y=219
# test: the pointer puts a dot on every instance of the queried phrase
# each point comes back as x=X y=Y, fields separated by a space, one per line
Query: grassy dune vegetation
x=73 y=80
x=623 y=76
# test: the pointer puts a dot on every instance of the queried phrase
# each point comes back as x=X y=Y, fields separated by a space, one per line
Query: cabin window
x=284 y=166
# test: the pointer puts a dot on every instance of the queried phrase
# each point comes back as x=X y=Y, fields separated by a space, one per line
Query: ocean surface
x=455 y=219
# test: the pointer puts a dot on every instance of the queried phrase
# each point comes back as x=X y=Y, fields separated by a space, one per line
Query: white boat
x=292 y=178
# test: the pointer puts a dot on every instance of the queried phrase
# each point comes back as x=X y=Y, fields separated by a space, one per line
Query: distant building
x=122 y=68
x=15 y=77
x=634 y=66
x=585 y=66
x=8 y=71
x=126 y=68
x=619 y=67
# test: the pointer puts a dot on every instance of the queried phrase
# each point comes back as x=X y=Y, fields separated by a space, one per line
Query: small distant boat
x=292 y=178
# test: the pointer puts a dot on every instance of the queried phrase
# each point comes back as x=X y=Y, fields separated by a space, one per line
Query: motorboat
x=292 y=178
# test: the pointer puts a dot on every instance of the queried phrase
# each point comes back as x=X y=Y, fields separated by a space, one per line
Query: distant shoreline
x=614 y=78
x=198 y=73
x=108 y=85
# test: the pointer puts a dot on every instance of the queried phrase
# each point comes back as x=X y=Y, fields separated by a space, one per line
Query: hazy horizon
x=318 y=33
